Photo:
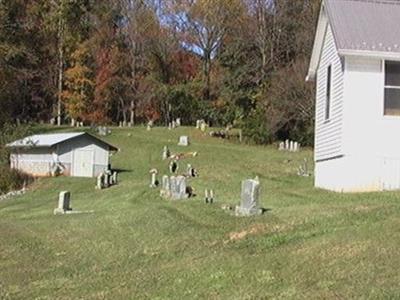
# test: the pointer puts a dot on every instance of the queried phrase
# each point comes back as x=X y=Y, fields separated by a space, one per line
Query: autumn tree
x=203 y=25
x=79 y=83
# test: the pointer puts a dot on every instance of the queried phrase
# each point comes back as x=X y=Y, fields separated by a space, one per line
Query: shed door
x=83 y=163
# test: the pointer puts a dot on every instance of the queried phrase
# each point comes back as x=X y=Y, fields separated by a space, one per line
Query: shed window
x=392 y=88
x=328 y=93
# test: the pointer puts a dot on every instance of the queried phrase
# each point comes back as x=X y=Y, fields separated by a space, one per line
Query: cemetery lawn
x=311 y=244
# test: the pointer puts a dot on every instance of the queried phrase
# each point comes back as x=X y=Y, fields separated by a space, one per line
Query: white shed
x=356 y=65
x=72 y=154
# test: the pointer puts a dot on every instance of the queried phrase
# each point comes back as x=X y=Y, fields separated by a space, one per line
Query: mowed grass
x=311 y=244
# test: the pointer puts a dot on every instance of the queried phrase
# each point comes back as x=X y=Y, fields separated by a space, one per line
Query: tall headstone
x=166 y=153
x=100 y=181
x=173 y=166
x=291 y=146
x=115 y=177
x=64 y=202
x=249 y=204
x=165 y=187
x=178 y=122
x=287 y=145
x=153 y=178
x=203 y=126
x=183 y=141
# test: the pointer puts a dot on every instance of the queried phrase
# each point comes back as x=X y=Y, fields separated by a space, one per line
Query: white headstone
x=64 y=199
x=178 y=122
x=100 y=181
x=153 y=175
x=203 y=126
x=183 y=141
x=166 y=153
x=281 y=146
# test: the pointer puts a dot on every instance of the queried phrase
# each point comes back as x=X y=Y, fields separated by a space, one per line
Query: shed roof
x=52 y=139
x=360 y=28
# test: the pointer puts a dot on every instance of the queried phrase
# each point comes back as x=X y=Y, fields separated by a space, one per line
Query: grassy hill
x=310 y=244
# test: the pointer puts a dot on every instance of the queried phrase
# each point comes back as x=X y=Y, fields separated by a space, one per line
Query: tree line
x=238 y=62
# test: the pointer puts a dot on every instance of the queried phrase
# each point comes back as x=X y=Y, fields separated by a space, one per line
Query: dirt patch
x=254 y=230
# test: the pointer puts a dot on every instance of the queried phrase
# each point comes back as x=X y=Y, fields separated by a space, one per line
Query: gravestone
x=287 y=145
x=183 y=141
x=173 y=124
x=250 y=194
x=303 y=169
x=165 y=187
x=190 y=171
x=166 y=153
x=109 y=178
x=64 y=202
x=203 y=126
x=281 y=146
x=178 y=187
x=153 y=179
x=291 y=146
x=209 y=196
x=115 y=177
x=198 y=123
x=169 y=126
x=178 y=122
x=173 y=166
x=100 y=181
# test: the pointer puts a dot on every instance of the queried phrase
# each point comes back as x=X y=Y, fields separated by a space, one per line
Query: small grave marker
x=183 y=141
x=64 y=202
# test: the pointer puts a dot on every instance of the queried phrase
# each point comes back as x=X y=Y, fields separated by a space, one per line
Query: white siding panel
x=328 y=134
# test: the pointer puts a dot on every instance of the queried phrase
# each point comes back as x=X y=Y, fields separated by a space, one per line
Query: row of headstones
x=106 y=179
x=289 y=145
x=103 y=130
x=173 y=168
x=125 y=124
x=174 y=124
x=175 y=188
x=74 y=123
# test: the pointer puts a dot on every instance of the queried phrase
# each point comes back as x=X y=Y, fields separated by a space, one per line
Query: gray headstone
x=249 y=204
x=178 y=187
x=165 y=187
x=64 y=199
x=183 y=141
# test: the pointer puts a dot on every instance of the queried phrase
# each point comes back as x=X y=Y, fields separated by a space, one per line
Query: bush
x=12 y=179
x=255 y=128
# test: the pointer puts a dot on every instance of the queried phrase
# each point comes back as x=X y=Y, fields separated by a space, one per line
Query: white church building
x=356 y=66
